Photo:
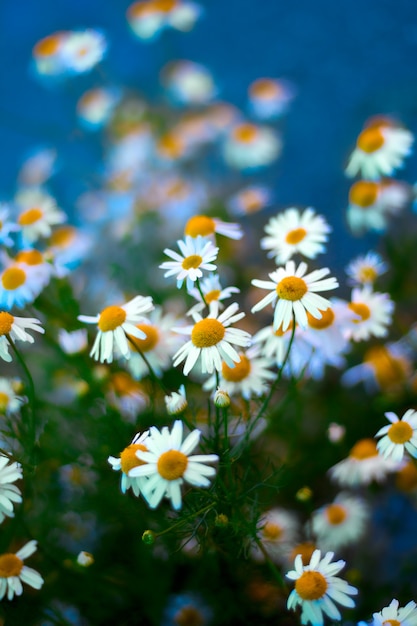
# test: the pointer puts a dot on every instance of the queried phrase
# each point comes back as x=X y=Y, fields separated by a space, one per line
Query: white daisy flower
x=145 y=20
x=249 y=377
x=270 y=97
x=212 y=339
x=295 y=294
x=399 y=437
x=397 y=616
x=212 y=290
x=278 y=532
x=380 y=149
x=15 y=328
x=207 y=226
x=128 y=460
x=188 y=83
x=176 y=402
x=82 y=50
x=197 y=255
x=293 y=232
x=114 y=323
x=365 y=269
x=168 y=465
x=21 y=283
x=341 y=523
x=13 y=572
x=317 y=588
x=39 y=213
x=362 y=466
x=373 y=312
x=249 y=146
x=372 y=203
x=10 y=402
x=9 y=493
x=249 y=200
x=6 y=227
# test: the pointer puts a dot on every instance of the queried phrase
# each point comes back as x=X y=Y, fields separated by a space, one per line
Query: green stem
x=201 y=292
x=271 y=565
x=184 y=520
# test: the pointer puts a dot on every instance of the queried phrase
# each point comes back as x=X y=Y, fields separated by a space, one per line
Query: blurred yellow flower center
x=251 y=200
x=279 y=332
x=360 y=309
x=189 y=616
x=264 y=88
x=4 y=401
x=30 y=217
x=272 y=531
x=172 y=464
x=200 y=225
x=364 y=449
x=192 y=262
x=207 y=332
x=164 y=6
x=10 y=565
x=391 y=622
x=212 y=295
x=326 y=320
x=63 y=236
x=363 y=193
x=306 y=550
x=13 y=278
x=389 y=370
x=170 y=146
x=291 y=288
x=6 y=321
x=400 y=432
x=295 y=236
x=30 y=257
x=370 y=140
x=367 y=274
x=177 y=189
x=47 y=46
x=123 y=384
x=237 y=373
x=111 y=317
x=128 y=458
x=336 y=514
x=151 y=339
x=311 y=585
x=245 y=133
x=406 y=478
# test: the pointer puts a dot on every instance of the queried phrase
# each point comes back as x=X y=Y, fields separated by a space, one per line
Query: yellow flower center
x=326 y=320
x=306 y=550
x=311 y=585
x=172 y=464
x=360 y=309
x=391 y=622
x=128 y=458
x=406 y=478
x=62 y=236
x=291 y=288
x=370 y=140
x=6 y=321
x=363 y=193
x=389 y=370
x=123 y=384
x=212 y=295
x=30 y=257
x=364 y=449
x=10 y=565
x=295 y=236
x=264 y=88
x=192 y=262
x=400 y=432
x=239 y=372
x=111 y=317
x=4 y=401
x=13 y=278
x=272 y=531
x=30 y=217
x=207 y=332
x=367 y=274
x=279 y=332
x=170 y=146
x=336 y=514
x=165 y=6
x=189 y=616
x=251 y=200
x=200 y=225
x=151 y=339
x=245 y=133
x=48 y=46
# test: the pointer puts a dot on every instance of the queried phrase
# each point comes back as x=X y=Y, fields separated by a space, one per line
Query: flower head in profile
x=16 y=328
x=38 y=213
x=207 y=226
x=317 y=588
x=197 y=255
x=176 y=402
x=128 y=460
x=14 y=572
x=249 y=200
x=82 y=50
x=212 y=339
x=278 y=530
x=9 y=493
x=365 y=269
x=397 y=616
x=10 y=401
x=168 y=464
x=399 y=436
x=114 y=323
x=362 y=466
x=294 y=293
x=373 y=312
x=250 y=146
x=270 y=97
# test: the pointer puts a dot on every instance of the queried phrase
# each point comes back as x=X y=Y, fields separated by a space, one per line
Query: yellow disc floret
x=128 y=458
x=6 y=322
x=245 y=133
x=336 y=514
x=361 y=309
x=10 y=565
x=291 y=288
x=207 y=332
x=200 y=225
x=12 y=278
x=111 y=317
x=4 y=401
x=364 y=449
x=192 y=262
x=272 y=531
x=172 y=464
x=370 y=140
x=150 y=341
x=30 y=217
x=326 y=320
x=311 y=585
x=400 y=432
x=239 y=372
x=295 y=236
x=364 y=193
x=30 y=257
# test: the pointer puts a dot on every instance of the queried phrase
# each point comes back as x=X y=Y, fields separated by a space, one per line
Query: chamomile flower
x=365 y=269
x=82 y=50
x=39 y=213
x=399 y=437
x=10 y=401
x=373 y=312
x=95 y=106
x=249 y=200
x=176 y=402
x=270 y=97
x=340 y=523
x=16 y=328
x=128 y=460
x=278 y=532
x=186 y=608
x=207 y=226
x=114 y=323
x=317 y=588
x=188 y=83
x=249 y=146
x=394 y=614
x=38 y=166
x=274 y=343
x=211 y=340
x=14 y=572
x=21 y=283
x=168 y=465
x=9 y=493
x=295 y=293
x=212 y=291
x=386 y=367
x=126 y=395
x=197 y=255
x=362 y=466
x=249 y=377
x=380 y=149
x=47 y=54
x=293 y=232
x=365 y=211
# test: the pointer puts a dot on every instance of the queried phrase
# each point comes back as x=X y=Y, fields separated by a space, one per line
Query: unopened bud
x=85 y=559
x=148 y=537
x=221 y=399
x=176 y=403
x=304 y=494
x=221 y=520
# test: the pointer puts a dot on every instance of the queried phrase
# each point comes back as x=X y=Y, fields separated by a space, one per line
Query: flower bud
x=221 y=399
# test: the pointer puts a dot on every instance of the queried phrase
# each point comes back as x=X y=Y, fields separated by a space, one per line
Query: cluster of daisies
x=380 y=150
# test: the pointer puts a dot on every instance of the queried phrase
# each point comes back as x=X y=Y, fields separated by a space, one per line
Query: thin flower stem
x=201 y=292
x=184 y=520
x=271 y=564
x=149 y=366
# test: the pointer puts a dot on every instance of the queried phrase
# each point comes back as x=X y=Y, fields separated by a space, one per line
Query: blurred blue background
x=348 y=60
